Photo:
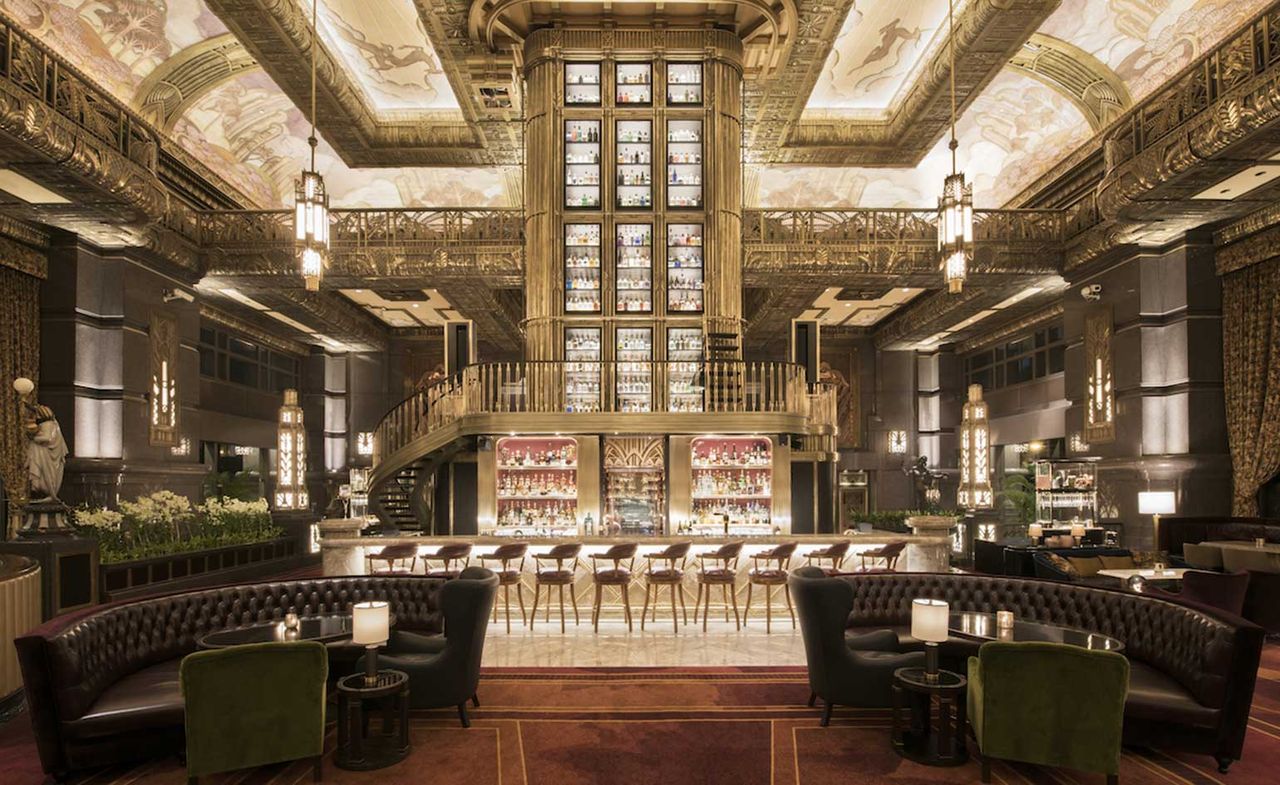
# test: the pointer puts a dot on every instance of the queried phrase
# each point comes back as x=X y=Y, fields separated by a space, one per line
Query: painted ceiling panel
x=1014 y=131
x=879 y=50
x=386 y=50
x=250 y=133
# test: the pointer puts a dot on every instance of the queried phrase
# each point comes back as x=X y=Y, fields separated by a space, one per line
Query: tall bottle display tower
x=633 y=192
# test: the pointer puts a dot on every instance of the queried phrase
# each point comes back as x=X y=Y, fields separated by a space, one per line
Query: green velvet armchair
x=253 y=705
x=1048 y=704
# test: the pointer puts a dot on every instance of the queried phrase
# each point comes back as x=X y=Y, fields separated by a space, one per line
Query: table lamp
x=1155 y=504
x=929 y=624
x=1077 y=533
x=370 y=628
x=1035 y=531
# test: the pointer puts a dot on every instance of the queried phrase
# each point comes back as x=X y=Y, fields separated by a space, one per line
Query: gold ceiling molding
x=1013 y=328
x=178 y=82
x=987 y=34
x=1096 y=90
x=26 y=260
x=266 y=338
x=278 y=35
x=1250 y=240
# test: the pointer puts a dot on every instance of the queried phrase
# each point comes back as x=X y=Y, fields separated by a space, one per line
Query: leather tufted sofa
x=1192 y=670
x=102 y=685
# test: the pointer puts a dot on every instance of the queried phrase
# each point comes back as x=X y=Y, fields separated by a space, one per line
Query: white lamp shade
x=929 y=620
x=23 y=385
x=1077 y=530
x=1156 y=503
x=1035 y=530
x=370 y=623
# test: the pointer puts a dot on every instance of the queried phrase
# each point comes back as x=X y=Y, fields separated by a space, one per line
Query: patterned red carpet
x=743 y=726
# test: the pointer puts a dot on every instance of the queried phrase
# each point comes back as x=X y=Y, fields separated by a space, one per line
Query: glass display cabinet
x=634 y=84
x=634 y=167
x=582 y=84
x=732 y=482
x=684 y=164
x=684 y=84
x=684 y=369
x=582 y=164
x=633 y=268
x=1066 y=494
x=634 y=382
x=582 y=268
x=537 y=490
x=684 y=268
x=582 y=369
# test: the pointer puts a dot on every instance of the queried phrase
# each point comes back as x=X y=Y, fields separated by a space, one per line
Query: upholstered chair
x=1049 y=704
x=622 y=557
x=718 y=568
x=839 y=673
x=1202 y=557
x=274 y=691
x=447 y=673
x=1224 y=591
x=835 y=553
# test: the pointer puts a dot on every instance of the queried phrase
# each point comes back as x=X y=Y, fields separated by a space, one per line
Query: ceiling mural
x=249 y=132
x=385 y=48
x=1014 y=131
x=879 y=49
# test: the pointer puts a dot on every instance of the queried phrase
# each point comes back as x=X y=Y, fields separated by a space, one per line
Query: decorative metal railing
x=368 y=228
x=897 y=227
x=563 y=387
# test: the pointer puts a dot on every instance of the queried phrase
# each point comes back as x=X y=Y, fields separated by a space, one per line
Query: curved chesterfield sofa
x=102 y=685
x=1192 y=670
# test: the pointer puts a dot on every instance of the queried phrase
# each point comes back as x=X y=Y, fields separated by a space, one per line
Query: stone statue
x=925 y=479
x=46 y=461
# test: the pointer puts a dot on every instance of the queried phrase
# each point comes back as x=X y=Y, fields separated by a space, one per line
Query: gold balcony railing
x=589 y=388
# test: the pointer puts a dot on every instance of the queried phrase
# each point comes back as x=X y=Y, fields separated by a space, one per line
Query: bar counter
x=344 y=550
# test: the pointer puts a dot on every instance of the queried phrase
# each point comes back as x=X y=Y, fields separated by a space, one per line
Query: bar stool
x=618 y=576
x=770 y=571
x=392 y=554
x=508 y=577
x=447 y=554
x=725 y=575
x=566 y=552
x=888 y=553
x=836 y=554
x=672 y=575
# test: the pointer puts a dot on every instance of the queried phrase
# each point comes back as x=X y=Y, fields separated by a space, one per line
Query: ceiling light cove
x=859 y=311
x=405 y=308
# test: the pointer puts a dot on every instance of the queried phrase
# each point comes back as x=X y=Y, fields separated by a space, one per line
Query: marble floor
x=659 y=645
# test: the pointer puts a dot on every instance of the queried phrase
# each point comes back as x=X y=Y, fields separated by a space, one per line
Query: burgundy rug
x=676 y=726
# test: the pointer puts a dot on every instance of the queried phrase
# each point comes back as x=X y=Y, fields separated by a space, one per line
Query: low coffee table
x=357 y=750
x=983 y=627
x=325 y=628
x=919 y=740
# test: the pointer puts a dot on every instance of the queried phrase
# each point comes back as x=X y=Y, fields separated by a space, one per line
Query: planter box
x=162 y=574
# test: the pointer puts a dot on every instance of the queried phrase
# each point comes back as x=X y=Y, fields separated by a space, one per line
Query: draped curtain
x=19 y=356
x=1251 y=360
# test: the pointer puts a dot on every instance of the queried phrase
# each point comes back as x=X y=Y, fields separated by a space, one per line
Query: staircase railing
x=585 y=388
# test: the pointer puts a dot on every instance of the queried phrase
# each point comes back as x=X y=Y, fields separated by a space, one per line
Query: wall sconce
x=245 y=452
x=291 y=456
x=898 y=442
x=975 y=462
x=183 y=447
x=364 y=443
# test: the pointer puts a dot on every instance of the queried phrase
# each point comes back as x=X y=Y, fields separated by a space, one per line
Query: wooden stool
x=447 y=554
x=618 y=576
x=836 y=554
x=770 y=571
x=508 y=577
x=723 y=572
x=889 y=554
x=392 y=554
x=568 y=552
x=672 y=575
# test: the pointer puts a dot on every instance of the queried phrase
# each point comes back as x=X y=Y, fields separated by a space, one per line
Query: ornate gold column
x=723 y=308
x=543 y=221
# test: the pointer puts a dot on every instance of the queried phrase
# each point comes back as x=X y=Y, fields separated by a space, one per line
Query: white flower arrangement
x=101 y=519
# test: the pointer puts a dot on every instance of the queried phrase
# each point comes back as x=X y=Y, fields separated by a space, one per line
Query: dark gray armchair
x=446 y=671
x=855 y=672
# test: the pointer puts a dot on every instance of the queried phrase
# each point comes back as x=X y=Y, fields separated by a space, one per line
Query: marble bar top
x=873 y=539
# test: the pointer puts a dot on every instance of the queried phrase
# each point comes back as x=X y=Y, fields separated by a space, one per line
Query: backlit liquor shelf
x=537 y=486
x=582 y=283
x=684 y=164
x=732 y=484
x=684 y=369
x=684 y=268
x=634 y=172
x=582 y=351
x=633 y=268
x=582 y=164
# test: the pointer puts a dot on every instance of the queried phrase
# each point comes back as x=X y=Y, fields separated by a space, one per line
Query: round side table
x=357 y=750
x=919 y=740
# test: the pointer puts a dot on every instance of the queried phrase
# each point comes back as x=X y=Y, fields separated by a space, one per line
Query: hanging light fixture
x=955 y=206
x=291 y=456
x=311 y=200
x=975 y=442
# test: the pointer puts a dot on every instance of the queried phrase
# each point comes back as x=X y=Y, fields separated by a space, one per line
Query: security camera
x=178 y=294
x=1092 y=292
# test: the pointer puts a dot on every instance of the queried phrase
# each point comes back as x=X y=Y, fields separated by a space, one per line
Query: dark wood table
x=982 y=627
x=325 y=628
x=918 y=739
x=357 y=750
